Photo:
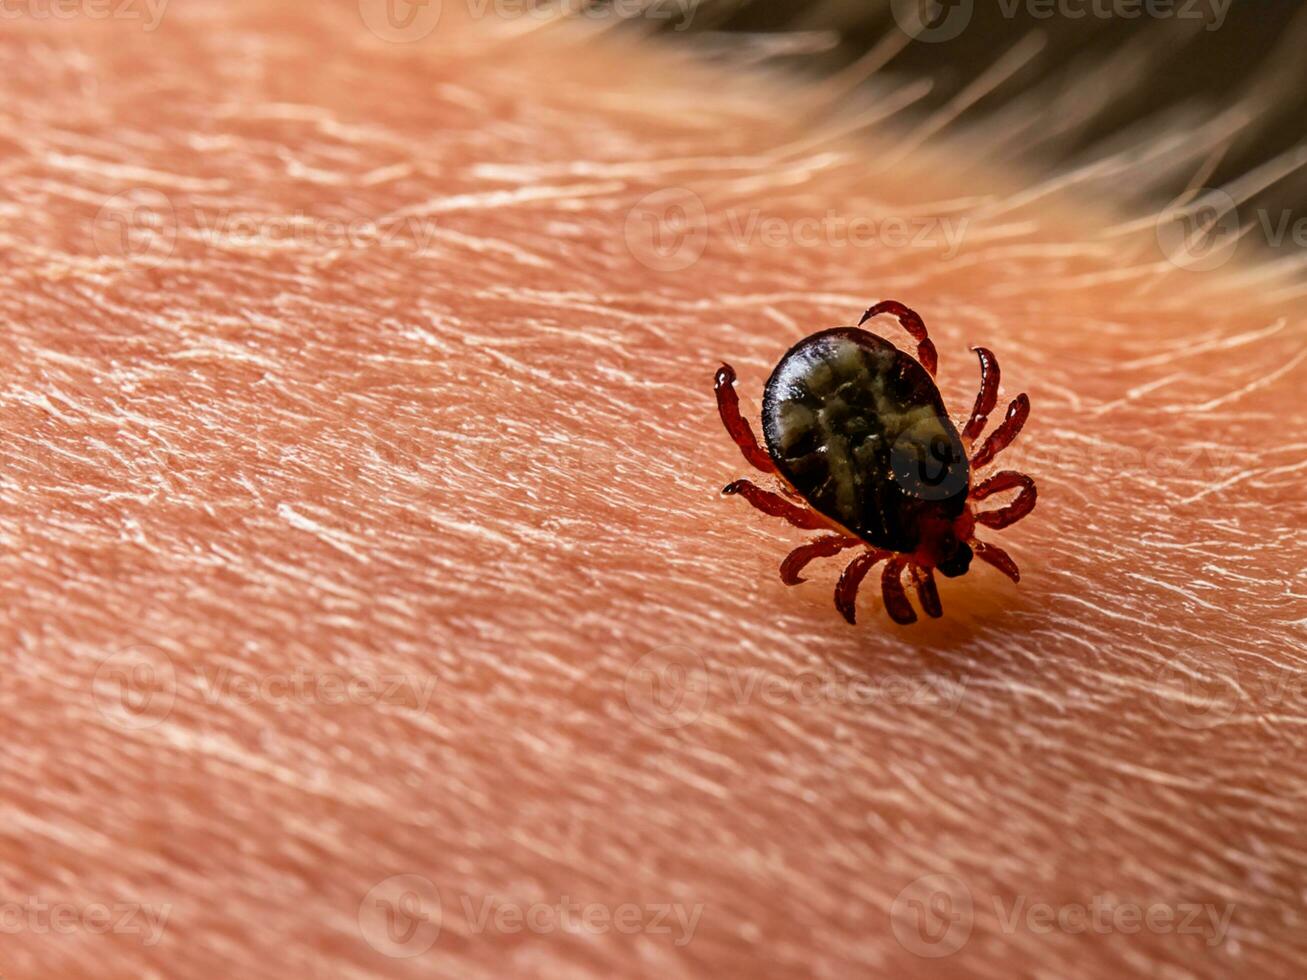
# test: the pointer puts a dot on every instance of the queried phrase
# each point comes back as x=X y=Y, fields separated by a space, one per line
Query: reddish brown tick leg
x=821 y=548
x=1001 y=437
x=987 y=398
x=912 y=323
x=927 y=593
x=997 y=557
x=896 y=599
x=728 y=404
x=774 y=505
x=846 y=590
x=1013 y=512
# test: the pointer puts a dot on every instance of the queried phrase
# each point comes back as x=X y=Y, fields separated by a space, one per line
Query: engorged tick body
x=857 y=430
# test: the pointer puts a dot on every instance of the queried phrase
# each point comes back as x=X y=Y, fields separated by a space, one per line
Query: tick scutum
x=859 y=429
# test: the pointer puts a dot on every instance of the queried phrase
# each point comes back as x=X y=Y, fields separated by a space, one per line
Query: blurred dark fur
x=1073 y=92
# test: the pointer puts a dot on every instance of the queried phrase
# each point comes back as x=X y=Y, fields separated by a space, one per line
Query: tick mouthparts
x=957 y=563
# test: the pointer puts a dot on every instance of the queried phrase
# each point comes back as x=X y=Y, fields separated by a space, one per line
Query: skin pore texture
x=333 y=552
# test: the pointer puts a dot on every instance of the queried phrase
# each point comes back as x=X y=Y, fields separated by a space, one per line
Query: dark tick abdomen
x=858 y=427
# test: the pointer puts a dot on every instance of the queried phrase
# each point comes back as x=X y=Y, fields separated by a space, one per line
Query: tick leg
x=1013 y=512
x=846 y=590
x=926 y=591
x=988 y=395
x=728 y=404
x=774 y=505
x=821 y=548
x=912 y=323
x=1000 y=438
x=997 y=557
x=896 y=599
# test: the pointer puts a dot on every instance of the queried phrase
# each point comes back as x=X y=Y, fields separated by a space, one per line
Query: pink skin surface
x=331 y=552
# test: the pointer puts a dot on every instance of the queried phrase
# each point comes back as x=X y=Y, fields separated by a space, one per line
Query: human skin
x=476 y=472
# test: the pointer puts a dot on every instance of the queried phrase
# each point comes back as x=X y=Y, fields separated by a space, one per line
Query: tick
x=860 y=440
